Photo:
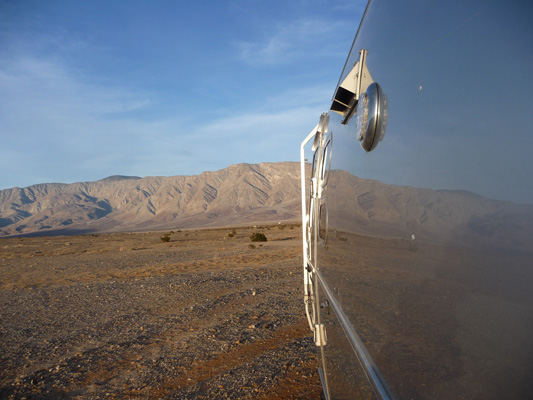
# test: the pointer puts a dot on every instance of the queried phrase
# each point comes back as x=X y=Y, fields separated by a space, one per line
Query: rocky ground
x=205 y=315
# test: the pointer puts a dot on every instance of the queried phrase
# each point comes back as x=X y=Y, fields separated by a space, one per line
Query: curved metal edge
x=323 y=382
x=373 y=127
x=373 y=375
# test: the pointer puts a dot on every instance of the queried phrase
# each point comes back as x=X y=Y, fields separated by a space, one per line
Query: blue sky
x=98 y=88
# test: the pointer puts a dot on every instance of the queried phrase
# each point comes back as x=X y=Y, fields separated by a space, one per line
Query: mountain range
x=239 y=194
x=257 y=194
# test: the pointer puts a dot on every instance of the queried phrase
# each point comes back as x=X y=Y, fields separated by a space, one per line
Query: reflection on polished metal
x=418 y=257
x=379 y=387
x=309 y=219
x=324 y=123
x=371 y=117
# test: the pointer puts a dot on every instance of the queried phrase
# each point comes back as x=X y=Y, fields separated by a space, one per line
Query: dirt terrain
x=207 y=314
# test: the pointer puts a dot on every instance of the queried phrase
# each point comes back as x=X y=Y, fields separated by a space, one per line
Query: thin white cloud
x=45 y=83
x=284 y=42
x=307 y=96
x=257 y=136
x=53 y=123
x=55 y=126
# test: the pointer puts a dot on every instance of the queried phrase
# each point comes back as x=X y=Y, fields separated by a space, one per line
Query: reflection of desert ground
x=440 y=321
x=129 y=316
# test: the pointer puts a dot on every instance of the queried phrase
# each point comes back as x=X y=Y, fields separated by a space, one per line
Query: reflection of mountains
x=376 y=208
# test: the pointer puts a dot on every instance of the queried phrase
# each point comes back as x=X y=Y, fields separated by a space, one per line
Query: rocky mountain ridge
x=249 y=194
x=238 y=194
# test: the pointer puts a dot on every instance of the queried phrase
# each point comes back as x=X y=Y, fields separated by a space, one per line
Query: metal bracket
x=320 y=335
x=349 y=91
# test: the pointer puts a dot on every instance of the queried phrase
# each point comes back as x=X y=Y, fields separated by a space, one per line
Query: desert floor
x=204 y=315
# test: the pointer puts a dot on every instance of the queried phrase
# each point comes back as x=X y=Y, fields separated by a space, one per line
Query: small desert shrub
x=251 y=246
x=258 y=237
x=165 y=238
x=230 y=234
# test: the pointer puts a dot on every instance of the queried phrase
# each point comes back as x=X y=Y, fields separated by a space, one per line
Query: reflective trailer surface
x=426 y=243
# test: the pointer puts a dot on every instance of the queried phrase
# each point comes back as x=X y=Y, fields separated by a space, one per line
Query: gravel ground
x=203 y=316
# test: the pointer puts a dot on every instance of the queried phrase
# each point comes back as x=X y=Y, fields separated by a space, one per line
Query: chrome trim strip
x=323 y=382
x=306 y=218
x=371 y=370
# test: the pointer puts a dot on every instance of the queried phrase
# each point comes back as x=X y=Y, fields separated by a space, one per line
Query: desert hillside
x=238 y=194
x=246 y=194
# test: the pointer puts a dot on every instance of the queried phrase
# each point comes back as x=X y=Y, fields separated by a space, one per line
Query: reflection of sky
x=469 y=127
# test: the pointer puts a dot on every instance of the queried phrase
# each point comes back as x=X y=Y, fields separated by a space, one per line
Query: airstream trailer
x=417 y=206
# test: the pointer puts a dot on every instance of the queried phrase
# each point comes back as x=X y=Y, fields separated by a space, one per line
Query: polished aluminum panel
x=429 y=237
